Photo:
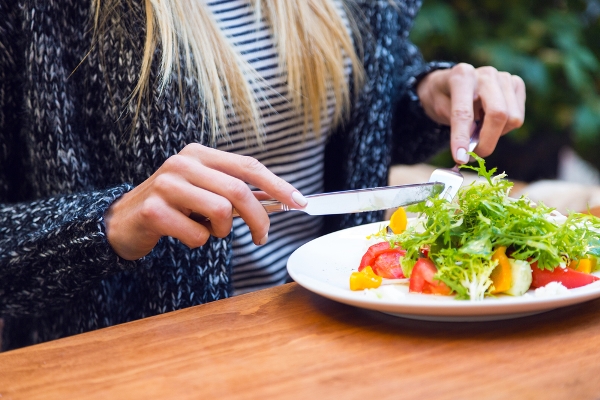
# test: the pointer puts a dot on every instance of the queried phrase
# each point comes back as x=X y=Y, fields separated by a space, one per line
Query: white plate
x=324 y=265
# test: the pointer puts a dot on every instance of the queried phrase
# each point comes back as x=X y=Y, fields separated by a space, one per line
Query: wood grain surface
x=289 y=343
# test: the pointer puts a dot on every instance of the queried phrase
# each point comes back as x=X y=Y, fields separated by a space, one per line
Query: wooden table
x=289 y=343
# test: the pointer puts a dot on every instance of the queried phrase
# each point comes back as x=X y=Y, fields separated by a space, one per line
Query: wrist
x=121 y=233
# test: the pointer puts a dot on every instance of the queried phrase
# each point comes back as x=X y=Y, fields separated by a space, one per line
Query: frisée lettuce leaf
x=460 y=235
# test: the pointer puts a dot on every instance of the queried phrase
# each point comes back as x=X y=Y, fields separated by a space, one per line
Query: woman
x=130 y=129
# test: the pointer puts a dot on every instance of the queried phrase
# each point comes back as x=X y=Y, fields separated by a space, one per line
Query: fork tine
x=451 y=177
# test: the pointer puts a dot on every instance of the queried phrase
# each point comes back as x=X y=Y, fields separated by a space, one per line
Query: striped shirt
x=289 y=154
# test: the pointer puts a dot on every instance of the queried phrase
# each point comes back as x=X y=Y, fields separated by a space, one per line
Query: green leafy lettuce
x=461 y=235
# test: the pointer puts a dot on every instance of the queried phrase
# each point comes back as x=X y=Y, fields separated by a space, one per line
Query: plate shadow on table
x=558 y=321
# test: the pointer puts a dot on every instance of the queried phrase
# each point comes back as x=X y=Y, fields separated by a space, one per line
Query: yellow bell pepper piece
x=365 y=279
x=585 y=265
x=398 y=221
x=501 y=275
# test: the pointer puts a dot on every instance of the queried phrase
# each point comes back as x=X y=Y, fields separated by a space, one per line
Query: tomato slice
x=387 y=265
x=422 y=279
x=372 y=252
x=384 y=260
x=568 y=277
x=422 y=272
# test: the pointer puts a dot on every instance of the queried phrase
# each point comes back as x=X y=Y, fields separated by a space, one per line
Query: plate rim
x=422 y=306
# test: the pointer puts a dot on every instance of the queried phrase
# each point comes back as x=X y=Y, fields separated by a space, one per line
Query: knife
x=360 y=200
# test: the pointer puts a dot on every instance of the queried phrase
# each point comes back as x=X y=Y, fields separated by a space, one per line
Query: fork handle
x=474 y=139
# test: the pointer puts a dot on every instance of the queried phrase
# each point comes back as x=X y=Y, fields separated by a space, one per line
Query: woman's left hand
x=459 y=95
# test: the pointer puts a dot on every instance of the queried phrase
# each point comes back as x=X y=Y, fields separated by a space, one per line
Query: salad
x=481 y=244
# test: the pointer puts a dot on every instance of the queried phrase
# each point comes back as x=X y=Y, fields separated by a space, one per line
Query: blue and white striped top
x=288 y=153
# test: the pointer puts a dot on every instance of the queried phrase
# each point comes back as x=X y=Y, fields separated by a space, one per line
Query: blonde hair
x=312 y=42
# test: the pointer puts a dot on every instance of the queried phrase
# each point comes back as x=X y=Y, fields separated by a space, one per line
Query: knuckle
x=176 y=163
x=192 y=148
x=488 y=71
x=237 y=190
x=198 y=238
x=252 y=164
x=518 y=82
x=152 y=209
x=516 y=121
x=462 y=114
x=497 y=115
x=280 y=184
x=222 y=210
x=518 y=79
x=505 y=76
x=221 y=231
x=164 y=183
x=463 y=69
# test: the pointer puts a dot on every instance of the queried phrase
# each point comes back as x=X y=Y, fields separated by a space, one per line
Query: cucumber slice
x=521 y=277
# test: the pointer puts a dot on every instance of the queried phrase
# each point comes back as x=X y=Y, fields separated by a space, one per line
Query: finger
x=260 y=195
x=214 y=212
x=193 y=202
x=230 y=192
x=169 y=221
x=434 y=95
x=494 y=106
x=515 y=115
x=251 y=171
x=242 y=199
x=462 y=84
x=520 y=91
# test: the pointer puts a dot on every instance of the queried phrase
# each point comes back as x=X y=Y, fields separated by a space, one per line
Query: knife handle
x=271 y=206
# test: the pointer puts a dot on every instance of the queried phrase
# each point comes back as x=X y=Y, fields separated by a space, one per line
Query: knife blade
x=360 y=200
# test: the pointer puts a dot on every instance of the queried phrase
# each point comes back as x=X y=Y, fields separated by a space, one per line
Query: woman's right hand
x=198 y=180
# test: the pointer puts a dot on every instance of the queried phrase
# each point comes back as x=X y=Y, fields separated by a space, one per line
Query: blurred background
x=555 y=47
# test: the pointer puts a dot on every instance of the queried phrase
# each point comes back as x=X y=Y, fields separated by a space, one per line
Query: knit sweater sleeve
x=416 y=137
x=50 y=249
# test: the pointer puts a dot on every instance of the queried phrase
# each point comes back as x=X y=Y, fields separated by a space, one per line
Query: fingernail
x=264 y=240
x=462 y=156
x=299 y=199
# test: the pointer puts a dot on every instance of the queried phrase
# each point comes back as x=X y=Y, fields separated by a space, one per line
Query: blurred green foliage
x=553 y=45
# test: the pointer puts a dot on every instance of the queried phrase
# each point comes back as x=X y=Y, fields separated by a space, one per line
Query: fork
x=451 y=177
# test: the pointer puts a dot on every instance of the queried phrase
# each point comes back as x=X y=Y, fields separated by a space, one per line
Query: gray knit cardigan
x=67 y=151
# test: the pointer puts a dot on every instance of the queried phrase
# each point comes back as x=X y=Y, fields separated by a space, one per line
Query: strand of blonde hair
x=312 y=41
